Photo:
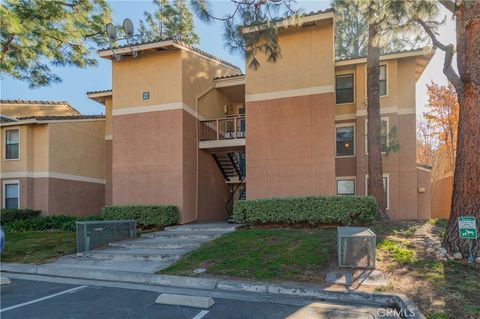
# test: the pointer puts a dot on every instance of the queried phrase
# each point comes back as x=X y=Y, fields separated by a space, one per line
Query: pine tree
x=35 y=33
x=171 y=20
x=466 y=183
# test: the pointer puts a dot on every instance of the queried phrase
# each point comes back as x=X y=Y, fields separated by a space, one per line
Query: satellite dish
x=111 y=31
x=128 y=28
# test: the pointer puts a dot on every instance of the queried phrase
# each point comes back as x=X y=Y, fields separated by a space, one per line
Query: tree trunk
x=466 y=185
x=375 y=171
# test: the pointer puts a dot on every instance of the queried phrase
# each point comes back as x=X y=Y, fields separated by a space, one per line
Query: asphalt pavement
x=80 y=299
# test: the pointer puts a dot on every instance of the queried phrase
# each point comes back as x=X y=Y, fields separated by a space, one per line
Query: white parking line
x=43 y=298
x=201 y=314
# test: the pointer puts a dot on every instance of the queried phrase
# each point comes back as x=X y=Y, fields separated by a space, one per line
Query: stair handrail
x=231 y=197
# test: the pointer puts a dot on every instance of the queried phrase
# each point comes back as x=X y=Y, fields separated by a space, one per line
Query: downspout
x=197 y=148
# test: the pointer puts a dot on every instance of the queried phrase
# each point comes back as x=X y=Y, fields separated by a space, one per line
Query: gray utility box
x=93 y=234
x=356 y=247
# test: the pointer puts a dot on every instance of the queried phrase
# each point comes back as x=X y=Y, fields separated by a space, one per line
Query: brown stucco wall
x=400 y=166
x=147 y=158
x=74 y=197
x=290 y=146
x=59 y=197
x=108 y=172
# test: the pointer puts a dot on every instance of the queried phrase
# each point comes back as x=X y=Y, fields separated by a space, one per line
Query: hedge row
x=160 y=215
x=9 y=215
x=314 y=210
x=57 y=222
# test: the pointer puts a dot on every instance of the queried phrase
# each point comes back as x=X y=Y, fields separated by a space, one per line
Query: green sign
x=467 y=227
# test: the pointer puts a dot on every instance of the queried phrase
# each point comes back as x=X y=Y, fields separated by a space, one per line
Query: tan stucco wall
x=158 y=73
x=108 y=115
x=424 y=200
x=307 y=61
x=290 y=147
x=198 y=74
x=34 y=146
x=77 y=148
x=442 y=190
x=108 y=172
x=24 y=110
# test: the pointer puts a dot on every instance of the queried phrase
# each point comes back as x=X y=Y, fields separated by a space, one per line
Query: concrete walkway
x=150 y=253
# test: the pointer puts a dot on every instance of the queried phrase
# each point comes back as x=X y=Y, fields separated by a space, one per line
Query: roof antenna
x=129 y=35
x=128 y=28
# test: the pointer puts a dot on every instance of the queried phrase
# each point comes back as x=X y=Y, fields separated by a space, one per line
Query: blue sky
x=76 y=82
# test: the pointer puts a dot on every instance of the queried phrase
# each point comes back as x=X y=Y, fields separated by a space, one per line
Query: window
x=346 y=186
x=12 y=139
x=386 y=189
x=11 y=194
x=345 y=139
x=383 y=79
x=383 y=135
x=344 y=88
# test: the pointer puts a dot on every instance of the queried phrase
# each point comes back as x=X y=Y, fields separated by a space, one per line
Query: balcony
x=223 y=133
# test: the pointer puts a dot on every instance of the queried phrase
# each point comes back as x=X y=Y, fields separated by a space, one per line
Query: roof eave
x=286 y=23
x=423 y=52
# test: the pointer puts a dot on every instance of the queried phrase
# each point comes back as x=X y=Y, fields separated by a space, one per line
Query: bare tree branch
x=449 y=50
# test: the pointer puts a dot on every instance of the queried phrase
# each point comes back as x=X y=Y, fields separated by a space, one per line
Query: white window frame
x=346 y=178
x=346 y=72
x=387 y=176
x=349 y=124
x=5 y=144
x=383 y=118
x=4 y=191
x=386 y=79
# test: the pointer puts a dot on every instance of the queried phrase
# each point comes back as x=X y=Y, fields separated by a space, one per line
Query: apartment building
x=183 y=127
x=186 y=128
x=53 y=158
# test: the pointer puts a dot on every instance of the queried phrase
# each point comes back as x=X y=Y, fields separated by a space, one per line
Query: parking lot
x=42 y=299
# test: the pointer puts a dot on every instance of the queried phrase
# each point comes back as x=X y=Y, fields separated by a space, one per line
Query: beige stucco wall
x=77 y=148
x=159 y=73
x=307 y=61
x=24 y=110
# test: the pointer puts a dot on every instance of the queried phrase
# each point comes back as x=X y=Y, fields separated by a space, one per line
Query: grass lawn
x=441 y=289
x=37 y=247
x=263 y=254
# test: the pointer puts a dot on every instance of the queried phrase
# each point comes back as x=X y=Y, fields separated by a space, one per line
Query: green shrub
x=58 y=222
x=314 y=210
x=9 y=215
x=162 y=215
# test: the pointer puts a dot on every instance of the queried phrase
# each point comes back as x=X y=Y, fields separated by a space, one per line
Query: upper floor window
x=345 y=140
x=11 y=193
x=12 y=140
x=383 y=79
x=344 y=88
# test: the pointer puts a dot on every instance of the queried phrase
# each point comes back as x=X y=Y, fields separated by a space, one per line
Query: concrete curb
x=399 y=301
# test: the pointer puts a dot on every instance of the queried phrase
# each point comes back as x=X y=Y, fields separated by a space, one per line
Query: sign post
x=467 y=226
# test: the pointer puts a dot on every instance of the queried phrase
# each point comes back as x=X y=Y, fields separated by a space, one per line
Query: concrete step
x=156 y=243
x=224 y=227
x=139 y=254
x=185 y=234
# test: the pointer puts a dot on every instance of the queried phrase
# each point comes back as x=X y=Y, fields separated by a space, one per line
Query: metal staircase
x=229 y=164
